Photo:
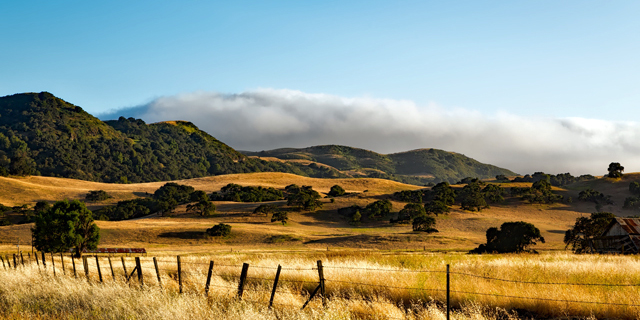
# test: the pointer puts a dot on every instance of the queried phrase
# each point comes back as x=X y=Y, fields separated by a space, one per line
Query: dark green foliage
x=4 y=221
x=468 y=180
x=424 y=223
x=265 y=209
x=406 y=167
x=634 y=188
x=378 y=209
x=202 y=207
x=355 y=218
x=97 y=195
x=511 y=237
x=580 y=237
x=472 y=197
x=502 y=178
x=595 y=197
x=615 y=170
x=493 y=193
x=414 y=196
x=557 y=180
x=41 y=207
x=540 y=192
x=353 y=214
x=198 y=195
x=444 y=193
x=519 y=191
x=238 y=193
x=412 y=210
x=631 y=203
x=336 y=191
x=173 y=191
x=67 y=224
x=436 y=207
x=129 y=209
x=280 y=216
x=305 y=198
x=219 y=230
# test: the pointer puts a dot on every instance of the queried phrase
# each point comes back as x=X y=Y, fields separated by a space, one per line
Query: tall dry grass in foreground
x=360 y=285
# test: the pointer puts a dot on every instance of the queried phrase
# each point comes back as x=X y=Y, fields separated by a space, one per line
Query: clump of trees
x=219 y=230
x=511 y=237
x=594 y=196
x=97 y=195
x=65 y=225
x=557 y=180
x=303 y=197
x=580 y=237
x=237 y=193
x=352 y=213
x=472 y=198
x=379 y=209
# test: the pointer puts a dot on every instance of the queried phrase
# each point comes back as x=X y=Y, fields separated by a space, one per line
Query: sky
x=528 y=85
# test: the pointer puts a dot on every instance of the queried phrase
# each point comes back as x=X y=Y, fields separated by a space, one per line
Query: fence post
x=180 y=274
x=85 y=263
x=3 y=265
x=243 y=278
x=321 y=277
x=275 y=285
x=139 y=267
x=113 y=274
x=53 y=265
x=206 y=287
x=37 y=261
x=15 y=264
x=44 y=261
x=29 y=256
x=448 y=292
x=124 y=267
x=73 y=261
x=21 y=259
x=64 y=271
x=8 y=261
x=99 y=271
x=155 y=263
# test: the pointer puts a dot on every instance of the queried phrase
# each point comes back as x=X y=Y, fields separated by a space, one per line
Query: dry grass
x=31 y=292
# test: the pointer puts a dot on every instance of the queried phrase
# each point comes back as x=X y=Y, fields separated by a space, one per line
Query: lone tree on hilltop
x=615 y=170
x=66 y=225
x=511 y=237
x=580 y=237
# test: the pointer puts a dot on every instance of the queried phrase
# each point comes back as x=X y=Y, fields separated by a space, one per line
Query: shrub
x=97 y=195
x=219 y=230
x=378 y=209
x=336 y=191
x=280 y=216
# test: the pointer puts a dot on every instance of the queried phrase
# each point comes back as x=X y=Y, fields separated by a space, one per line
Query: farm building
x=622 y=235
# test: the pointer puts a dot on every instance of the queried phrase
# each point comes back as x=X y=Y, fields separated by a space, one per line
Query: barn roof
x=630 y=225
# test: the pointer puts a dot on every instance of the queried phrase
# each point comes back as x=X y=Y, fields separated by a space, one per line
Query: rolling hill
x=416 y=166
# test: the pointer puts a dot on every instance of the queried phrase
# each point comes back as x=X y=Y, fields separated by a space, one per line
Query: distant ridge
x=416 y=166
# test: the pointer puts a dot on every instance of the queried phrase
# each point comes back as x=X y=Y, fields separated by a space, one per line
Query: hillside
x=416 y=166
x=44 y=135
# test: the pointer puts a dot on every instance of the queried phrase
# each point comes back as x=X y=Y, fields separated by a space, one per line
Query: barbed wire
x=546 y=299
x=547 y=283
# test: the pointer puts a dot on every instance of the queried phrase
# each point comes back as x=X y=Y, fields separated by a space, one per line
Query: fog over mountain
x=266 y=119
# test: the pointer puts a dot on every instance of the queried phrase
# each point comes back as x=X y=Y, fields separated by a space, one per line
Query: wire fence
x=151 y=271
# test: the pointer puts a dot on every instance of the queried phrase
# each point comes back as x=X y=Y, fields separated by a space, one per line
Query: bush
x=219 y=230
x=336 y=191
x=378 y=209
x=265 y=209
x=511 y=237
x=424 y=223
x=280 y=216
x=97 y=195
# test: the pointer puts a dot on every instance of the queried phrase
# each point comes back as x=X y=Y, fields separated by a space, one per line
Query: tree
x=502 y=178
x=424 y=223
x=97 y=195
x=202 y=207
x=336 y=191
x=280 y=216
x=444 y=193
x=412 y=210
x=265 y=209
x=305 y=198
x=67 y=224
x=580 y=237
x=378 y=209
x=615 y=170
x=355 y=218
x=436 y=207
x=472 y=197
x=494 y=193
x=219 y=230
x=634 y=187
x=198 y=196
x=511 y=237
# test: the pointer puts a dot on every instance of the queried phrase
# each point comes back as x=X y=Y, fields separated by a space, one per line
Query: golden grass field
x=325 y=235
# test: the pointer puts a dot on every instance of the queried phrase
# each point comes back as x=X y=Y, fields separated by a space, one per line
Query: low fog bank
x=266 y=119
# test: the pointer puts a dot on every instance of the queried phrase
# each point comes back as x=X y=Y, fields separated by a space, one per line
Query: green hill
x=44 y=135
x=416 y=166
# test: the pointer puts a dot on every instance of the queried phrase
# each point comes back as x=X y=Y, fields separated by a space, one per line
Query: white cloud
x=267 y=118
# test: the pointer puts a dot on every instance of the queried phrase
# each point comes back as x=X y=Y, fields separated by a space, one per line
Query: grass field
x=325 y=235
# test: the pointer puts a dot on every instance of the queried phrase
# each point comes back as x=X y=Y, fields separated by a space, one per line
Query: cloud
x=267 y=118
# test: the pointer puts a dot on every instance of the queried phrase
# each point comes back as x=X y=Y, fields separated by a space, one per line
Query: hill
x=44 y=135
x=416 y=166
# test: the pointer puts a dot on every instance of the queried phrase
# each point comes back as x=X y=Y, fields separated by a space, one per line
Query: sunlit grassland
x=360 y=284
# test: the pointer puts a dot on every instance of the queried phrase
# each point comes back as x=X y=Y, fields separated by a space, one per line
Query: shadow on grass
x=187 y=235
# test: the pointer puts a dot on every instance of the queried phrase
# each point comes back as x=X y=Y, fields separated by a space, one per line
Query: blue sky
x=568 y=69
x=549 y=58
